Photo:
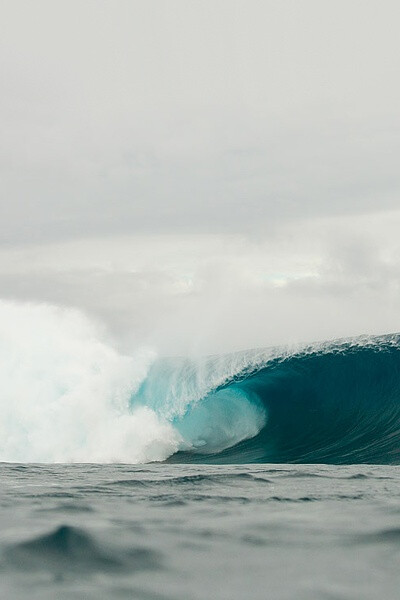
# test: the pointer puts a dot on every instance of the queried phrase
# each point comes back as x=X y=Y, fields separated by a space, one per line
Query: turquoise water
x=200 y=531
x=336 y=403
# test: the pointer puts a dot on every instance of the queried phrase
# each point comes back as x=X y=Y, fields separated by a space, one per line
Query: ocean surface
x=186 y=532
x=269 y=473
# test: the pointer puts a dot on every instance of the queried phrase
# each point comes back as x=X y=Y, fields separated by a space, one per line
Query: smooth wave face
x=334 y=403
x=68 y=396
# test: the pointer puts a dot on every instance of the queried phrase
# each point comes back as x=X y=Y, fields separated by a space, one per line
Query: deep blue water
x=336 y=403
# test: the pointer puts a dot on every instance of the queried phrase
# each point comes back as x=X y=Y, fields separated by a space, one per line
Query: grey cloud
x=243 y=189
x=194 y=117
x=210 y=174
x=319 y=279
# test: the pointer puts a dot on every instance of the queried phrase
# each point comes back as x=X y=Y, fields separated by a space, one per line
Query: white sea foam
x=64 y=392
x=66 y=395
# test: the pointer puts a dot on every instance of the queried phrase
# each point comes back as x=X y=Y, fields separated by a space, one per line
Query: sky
x=203 y=176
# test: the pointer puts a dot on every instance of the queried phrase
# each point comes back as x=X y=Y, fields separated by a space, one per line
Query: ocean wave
x=333 y=403
x=68 y=396
x=68 y=549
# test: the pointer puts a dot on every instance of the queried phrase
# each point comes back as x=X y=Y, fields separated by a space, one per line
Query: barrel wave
x=67 y=395
x=335 y=403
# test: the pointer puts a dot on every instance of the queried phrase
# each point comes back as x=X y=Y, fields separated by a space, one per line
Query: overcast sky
x=224 y=167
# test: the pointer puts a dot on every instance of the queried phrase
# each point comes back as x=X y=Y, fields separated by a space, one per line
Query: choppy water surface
x=192 y=532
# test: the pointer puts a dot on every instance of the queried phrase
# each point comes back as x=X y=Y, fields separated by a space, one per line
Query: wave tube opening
x=338 y=404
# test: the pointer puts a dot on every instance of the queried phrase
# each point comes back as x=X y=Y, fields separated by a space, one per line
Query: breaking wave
x=68 y=396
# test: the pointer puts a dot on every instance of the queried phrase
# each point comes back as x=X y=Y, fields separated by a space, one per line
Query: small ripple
x=214 y=498
x=305 y=475
x=365 y=476
x=127 y=483
x=66 y=508
x=287 y=499
x=71 y=549
x=323 y=498
x=54 y=495
x=168 y=500
x=214 y=479
x=390 y=535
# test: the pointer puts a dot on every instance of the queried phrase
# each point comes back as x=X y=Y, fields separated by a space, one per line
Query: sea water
x=168 y=531
x=268 y=473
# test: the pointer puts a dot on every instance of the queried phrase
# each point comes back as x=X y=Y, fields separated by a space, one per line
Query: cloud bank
x=203 y=176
